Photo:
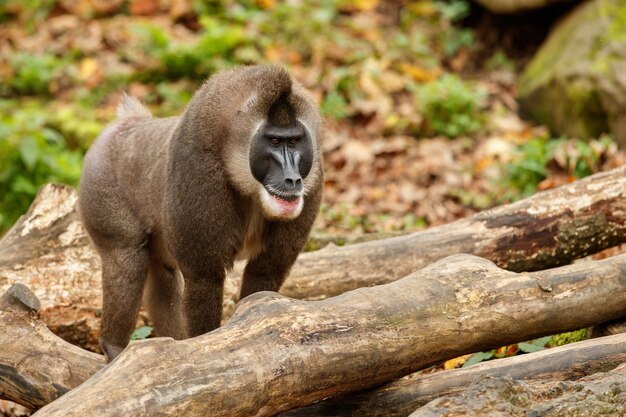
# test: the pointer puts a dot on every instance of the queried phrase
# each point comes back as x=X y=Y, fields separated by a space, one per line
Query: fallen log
x=36 y=366
x=549 y=229
x=400 y=398
x=277 y=353
x=601 y=394
x=27 y=337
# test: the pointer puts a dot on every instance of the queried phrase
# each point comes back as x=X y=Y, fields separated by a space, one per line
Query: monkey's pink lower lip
x=286 y=206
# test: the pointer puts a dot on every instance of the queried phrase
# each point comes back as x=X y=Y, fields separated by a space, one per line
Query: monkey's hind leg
x=124 y=272
x=164 y=300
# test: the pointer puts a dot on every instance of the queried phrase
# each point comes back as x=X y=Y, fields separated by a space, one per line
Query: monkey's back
x=123 y=180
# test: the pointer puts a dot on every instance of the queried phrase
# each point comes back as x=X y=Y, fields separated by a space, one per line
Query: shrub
x=450 y=107
x=31 y=154
x=541 y=158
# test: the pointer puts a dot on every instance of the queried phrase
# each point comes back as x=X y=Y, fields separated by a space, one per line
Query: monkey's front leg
x=268 y=270
x=204 y=287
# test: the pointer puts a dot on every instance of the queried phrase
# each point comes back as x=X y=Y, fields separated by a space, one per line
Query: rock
x=516 y=6
x=576 y=83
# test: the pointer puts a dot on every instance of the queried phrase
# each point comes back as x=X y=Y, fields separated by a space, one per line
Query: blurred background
x=435 y=109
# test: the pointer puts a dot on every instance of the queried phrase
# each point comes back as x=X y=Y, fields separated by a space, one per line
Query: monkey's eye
x=293 y=141
x=275 y=141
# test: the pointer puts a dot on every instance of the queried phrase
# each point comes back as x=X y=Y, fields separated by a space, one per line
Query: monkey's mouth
x=287 y=203
x=289 y=198
x=281 y=205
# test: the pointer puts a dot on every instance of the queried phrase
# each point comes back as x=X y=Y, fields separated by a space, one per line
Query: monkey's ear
x=131 y=107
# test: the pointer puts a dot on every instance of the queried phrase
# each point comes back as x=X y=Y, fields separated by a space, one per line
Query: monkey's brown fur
x=164 y=196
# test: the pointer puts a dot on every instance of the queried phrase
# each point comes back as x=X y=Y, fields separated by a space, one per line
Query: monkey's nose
x=293 y=183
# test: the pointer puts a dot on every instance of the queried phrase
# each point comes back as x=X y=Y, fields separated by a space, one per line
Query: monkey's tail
x=131 y=107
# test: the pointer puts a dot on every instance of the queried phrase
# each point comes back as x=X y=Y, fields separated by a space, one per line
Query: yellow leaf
x=88 y=69
x=418 y=73
x=358 y=5
x=456 y=362
x=265 y=4
x=483 y=163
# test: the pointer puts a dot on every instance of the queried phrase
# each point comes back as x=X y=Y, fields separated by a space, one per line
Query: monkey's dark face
x=281 y=158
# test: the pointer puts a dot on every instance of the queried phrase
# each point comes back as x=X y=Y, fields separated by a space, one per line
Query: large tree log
x=36 y=367
x=401 y=397
x=549 y=229
x=33 y=385
x=601 y=394
x=277 y=353
x=48 y=250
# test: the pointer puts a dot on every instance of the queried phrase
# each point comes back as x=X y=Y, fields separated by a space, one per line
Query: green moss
x=560 y=86
x=569 y=337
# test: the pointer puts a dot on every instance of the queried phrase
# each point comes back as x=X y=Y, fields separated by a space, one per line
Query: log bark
x=602 y=394
x=277 y=353
x=400 y=398
x=48 y=249
x=36 y=366
x=33 y=385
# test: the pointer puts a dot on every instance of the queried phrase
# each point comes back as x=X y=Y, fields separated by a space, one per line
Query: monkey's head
x=272 y=137
x=281 y=157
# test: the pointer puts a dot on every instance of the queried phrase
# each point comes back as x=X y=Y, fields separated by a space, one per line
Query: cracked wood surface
x=277 y=353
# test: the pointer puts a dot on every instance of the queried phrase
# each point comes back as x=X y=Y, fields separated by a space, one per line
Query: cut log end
x=19 y=298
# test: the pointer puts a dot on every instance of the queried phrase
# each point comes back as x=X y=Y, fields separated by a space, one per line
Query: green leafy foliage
x=453 y=10
x=525 y=347
x=31 y=154
x=529 y=167
x=500 y=61
x=569 y=337
x=534 y=345
x=450 y=106
x=78 y=125
x=28 y=11
x=335 y=106
x=34 y=74
x=141 y=333
x=454 y=38
x=540 y=158
x=479 y=357
x=212 y=51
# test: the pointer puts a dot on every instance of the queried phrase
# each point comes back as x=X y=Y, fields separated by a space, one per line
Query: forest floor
x=423 y=124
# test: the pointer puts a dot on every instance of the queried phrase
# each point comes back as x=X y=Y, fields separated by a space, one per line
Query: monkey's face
x=281 y=157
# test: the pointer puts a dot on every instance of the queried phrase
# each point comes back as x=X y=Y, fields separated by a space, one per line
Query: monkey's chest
x=252 y=241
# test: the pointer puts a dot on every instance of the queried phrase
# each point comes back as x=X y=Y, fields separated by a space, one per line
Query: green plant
x=214 y=49
x=539 y=158
x=569 y=337
x=31 y=154
x=29 y=12
x=34 y=74
x=450 y=106
x=140 y=333
x=454 y=38
x=77 y=124
x=335 y=106
x=528 y=168
x=453 y=10
x=525 y=347
x=500 y=61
